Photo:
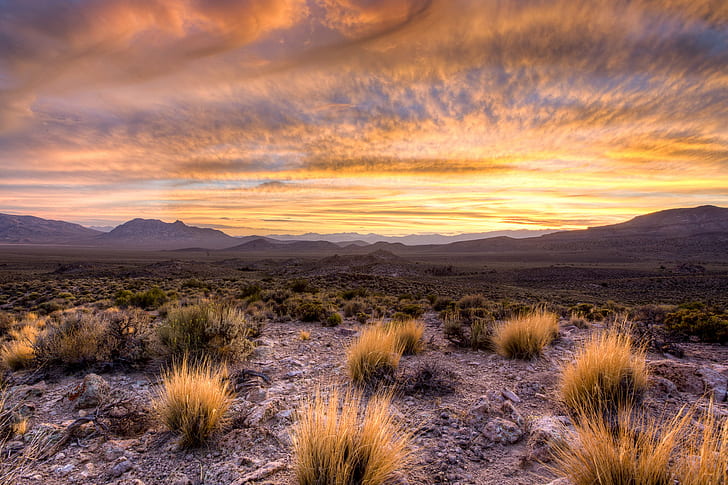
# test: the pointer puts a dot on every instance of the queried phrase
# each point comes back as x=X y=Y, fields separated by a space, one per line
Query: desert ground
x=473 y=416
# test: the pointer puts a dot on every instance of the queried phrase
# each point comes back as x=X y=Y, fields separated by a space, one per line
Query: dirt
x=461 y=419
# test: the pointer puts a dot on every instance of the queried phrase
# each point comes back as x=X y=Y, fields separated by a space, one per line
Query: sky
x=388 y=116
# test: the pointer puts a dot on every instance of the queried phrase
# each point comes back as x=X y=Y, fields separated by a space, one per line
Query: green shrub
x=333 y=320
x=311 y=311
x=696 y=320
x=412 y=310
x=212 y=329
x=148 y=300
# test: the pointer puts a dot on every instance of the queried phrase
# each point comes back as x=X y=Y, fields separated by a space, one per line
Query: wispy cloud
x=399 y=115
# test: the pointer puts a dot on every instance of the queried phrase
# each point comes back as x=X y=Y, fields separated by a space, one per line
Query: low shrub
x=333 y=320
x=193 y=400
x=609 y=374
x=707 y=324
x=336 y=443
x=373 y=357
x=526 y=336
x=81 y=337
x=481 y=332
x=311 y=311
x=215 y=329
x=149 y=300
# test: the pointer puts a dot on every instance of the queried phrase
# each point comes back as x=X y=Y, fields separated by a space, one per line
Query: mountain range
x=696 y=232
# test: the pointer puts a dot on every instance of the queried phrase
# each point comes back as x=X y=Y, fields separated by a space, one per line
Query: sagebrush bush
x=214 y=329
x=149 y=299
x=408 y=334
x=632 y=451
x=374 y=356
x=525 y=337
x=335 y=442
x=193 y=400
x=82 y=337
x=609 y=373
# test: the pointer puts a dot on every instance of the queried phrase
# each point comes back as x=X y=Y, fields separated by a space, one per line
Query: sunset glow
x=387 y=116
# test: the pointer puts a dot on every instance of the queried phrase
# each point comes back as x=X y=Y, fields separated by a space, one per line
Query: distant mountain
x=699 y=232
x=34 y=230
x=156 y=234
x=412 y=240
x=267 y=244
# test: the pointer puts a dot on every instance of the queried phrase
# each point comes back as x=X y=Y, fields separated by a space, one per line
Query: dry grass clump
x=335 y=443
x=525 y=337
x=408 y=334
x=374 y=356
x=609 y=373
x=304 y=335
x=193 y=400
x=19 y=352
x=704 y=456
x=216 y=330
x=637 y=452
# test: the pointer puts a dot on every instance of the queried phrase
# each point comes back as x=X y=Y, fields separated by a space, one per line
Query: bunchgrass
x=19 y=352
x=704 y=457
x=193 y=400
x=374 y=356
x=628 y=451
x=609 y=373
x=525 y=337
x=340 y=440
x=408 y=334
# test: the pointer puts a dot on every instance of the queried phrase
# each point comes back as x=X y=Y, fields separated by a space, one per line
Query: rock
x=714 y=382
x=664 y=387
x=682 y=374
x=260 y=473
x=499 y=430
x=93 y=391
x=547 y=434
x=110 y=451
x=180 y=479
x=64 y=470
x=508 y=394
x=508 y=410
x=257 y=395
x=120 y=468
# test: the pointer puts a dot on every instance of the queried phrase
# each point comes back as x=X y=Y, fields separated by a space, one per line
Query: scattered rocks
x=120 y=468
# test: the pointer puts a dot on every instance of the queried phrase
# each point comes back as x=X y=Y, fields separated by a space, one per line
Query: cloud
x=389 y=104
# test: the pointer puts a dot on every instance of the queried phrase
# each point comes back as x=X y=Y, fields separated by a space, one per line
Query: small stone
x=94 y=389
x=257 y=395
x=548 y=433
x=499 y=430
x=508 y=394
x=120 y=468
x=64 y=470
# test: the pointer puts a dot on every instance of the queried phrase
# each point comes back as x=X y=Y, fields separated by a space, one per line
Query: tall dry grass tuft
x=704 y=458
x=193 y=400
x=408 y=334
x=19 y=352
x=609 y=373
x=336 y=442
x=525 y=337
x=634 y=452
x=373 y=357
